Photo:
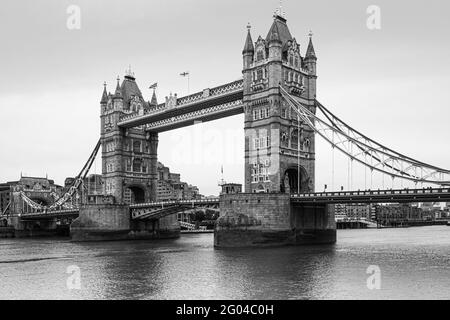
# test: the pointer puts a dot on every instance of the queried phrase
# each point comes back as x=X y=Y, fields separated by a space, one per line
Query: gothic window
x=259 y=74
x=260 y=54
x=261 y=113
x=137 y=165
x=284 y=139
x=255 y=114
x=144 y=168
x=291 y=60
x=128 y=165
x=296 y=62
x=136 y=146
x=255 y=143
x=147 y=148
x=267 y=112
x=294 y=139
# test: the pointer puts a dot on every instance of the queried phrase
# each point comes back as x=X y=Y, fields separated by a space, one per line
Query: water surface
x=414 y=264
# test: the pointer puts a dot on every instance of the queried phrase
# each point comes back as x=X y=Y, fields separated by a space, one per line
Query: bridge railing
x=372 y=192
x=174 y=202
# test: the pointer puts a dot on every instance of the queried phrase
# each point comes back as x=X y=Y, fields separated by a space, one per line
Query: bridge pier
x=269 y=219
x=24 y=228
x=99 y=222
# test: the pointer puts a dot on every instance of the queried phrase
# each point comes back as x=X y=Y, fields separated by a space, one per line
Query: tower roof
x=154 y=101
x=249 y=47
x=104 y=95
x=279 y=30
x=310 y=53
x=118 y=92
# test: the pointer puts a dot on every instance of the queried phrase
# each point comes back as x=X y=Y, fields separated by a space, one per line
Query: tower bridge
x=282 y=118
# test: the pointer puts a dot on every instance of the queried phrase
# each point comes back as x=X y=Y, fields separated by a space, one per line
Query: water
x=414 y=264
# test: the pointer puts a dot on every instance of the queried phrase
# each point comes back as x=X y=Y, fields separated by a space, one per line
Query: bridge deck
x=207 y=105
x=375 y=196
x=344 y=197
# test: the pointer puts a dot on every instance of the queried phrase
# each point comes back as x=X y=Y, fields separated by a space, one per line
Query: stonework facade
x=279 y=150
x=129 y=156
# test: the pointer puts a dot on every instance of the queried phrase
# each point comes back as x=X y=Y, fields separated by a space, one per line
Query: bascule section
x=279 y=146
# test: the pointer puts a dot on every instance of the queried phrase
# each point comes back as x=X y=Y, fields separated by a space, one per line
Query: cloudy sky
x=391 y=84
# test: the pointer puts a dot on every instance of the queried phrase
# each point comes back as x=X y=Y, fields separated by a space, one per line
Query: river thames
x=414 y=264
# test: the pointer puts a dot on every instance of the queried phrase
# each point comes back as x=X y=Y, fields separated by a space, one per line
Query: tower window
x=137 y=165
x=259 y=74
x=260 y=55
x=136 y=146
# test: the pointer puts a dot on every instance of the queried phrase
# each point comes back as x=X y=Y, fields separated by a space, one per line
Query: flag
x=153 y=86
x=184 y=74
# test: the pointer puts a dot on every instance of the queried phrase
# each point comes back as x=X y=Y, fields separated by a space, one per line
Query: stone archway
x=294 y=183
x=137 y=194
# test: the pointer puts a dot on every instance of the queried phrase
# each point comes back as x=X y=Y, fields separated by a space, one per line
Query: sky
x=390 y=83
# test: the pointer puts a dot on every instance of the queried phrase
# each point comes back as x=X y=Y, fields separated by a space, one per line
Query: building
x=170 y=186
x=354 y=211
x=228 y=188
x=396 y=214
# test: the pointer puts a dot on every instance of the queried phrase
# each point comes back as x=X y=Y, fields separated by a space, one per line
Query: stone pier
x=113 y=222
x=269 y=219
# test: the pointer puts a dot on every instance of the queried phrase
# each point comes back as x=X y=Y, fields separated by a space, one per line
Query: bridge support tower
x=279 y=149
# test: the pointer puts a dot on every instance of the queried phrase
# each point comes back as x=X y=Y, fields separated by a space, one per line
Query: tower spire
x=118 y=90
x=310 y=52
x=249 y=47
x=105 y=94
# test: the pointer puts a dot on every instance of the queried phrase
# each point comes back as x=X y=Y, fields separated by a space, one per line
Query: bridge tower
x=279 y=150
x=129 y=156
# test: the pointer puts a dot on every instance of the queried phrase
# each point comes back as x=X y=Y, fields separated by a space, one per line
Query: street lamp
x=186 y=74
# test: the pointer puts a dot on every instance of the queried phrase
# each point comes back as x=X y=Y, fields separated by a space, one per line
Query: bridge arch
x=135 y=193
x=295 y=182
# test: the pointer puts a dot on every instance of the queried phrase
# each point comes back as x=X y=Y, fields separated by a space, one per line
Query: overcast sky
x=392 y=84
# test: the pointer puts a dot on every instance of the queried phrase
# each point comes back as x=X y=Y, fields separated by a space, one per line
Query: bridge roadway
x=155 y=210
x=209 y=104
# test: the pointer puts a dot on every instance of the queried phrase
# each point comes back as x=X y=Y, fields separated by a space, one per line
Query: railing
x=175 y=202
x=373 y=192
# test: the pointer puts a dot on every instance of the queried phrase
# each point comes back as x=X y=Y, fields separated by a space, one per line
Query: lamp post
x=186 y=74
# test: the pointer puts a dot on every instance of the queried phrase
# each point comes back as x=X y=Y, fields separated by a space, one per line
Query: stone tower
x=129 y=156
x=279 y=150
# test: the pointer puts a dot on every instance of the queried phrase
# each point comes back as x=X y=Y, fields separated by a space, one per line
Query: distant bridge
x=159 y=209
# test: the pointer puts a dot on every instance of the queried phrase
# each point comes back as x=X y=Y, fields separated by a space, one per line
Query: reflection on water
x=414 y=263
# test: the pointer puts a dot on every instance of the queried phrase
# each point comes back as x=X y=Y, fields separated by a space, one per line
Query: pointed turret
x=249 y=47
x=104 y=95
x=310 y=53
x=154 y=101
x=118 y=92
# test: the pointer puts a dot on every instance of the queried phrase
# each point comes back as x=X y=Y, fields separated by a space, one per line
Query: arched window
x=260 y=55
x=259 y=74
x=137 y=165
x=294 y=139
x=136 y=146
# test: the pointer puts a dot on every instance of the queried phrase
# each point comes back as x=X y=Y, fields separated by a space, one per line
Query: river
x=414 y=263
